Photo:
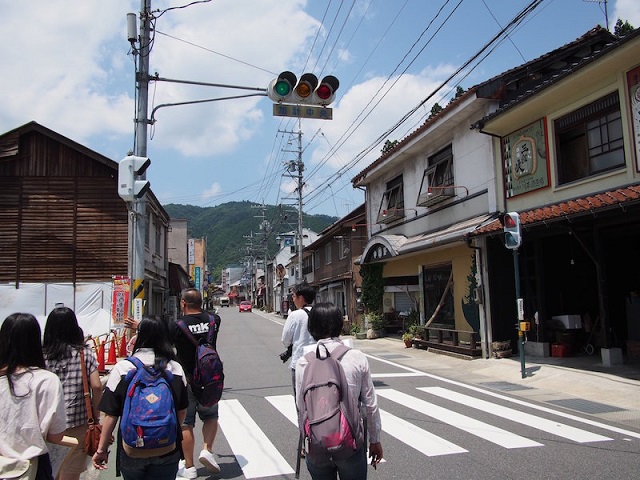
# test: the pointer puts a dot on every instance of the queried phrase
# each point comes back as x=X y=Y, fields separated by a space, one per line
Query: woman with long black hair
x=63 y=342
x=32 y=401
x=153 y=348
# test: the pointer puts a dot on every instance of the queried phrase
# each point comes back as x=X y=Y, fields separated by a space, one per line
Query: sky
x=68 y=66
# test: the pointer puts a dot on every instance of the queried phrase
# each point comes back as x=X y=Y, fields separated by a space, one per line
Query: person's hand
x=100 y=459
x=375 y=453
x=131 y=323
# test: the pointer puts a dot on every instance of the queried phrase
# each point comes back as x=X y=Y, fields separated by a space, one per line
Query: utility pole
x=299 y=166
x=140 y=146
x=299 y=275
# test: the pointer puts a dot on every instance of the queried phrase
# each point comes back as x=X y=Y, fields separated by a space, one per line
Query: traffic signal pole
x=516 y=270
x=138 y=205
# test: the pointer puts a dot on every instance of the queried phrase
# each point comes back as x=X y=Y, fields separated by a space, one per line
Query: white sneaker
x=208 y=460
x=188 y=473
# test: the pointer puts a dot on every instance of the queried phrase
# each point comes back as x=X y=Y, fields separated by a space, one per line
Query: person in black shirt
x=198 y=322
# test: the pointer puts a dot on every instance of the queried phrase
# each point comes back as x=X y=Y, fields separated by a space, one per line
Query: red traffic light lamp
x=325 y=93
x=512 y=230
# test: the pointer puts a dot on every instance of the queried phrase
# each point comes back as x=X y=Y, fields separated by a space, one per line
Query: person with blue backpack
x=335 y=390
x=148 y=392
x=195 y=337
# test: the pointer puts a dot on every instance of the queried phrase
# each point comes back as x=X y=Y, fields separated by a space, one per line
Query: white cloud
x=212 y=192
x=626 y=10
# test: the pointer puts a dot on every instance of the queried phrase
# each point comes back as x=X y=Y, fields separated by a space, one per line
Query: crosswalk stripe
x=525 y=403
x=553 y=427
x=423 y=441
x=470 y=425
x=286 y=406
x=254 y=452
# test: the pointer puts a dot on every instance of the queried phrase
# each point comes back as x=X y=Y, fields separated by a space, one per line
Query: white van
x=224 y=301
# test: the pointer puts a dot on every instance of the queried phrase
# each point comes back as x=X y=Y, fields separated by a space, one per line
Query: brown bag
x=94 y=429
x=92 y=438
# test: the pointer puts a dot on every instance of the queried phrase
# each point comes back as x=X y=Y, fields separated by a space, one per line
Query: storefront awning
x=384 y=247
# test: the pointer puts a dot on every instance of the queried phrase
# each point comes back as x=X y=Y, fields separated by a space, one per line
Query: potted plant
x=407 y=338
x=355 y=331
x=417 y=331
x=377 y=325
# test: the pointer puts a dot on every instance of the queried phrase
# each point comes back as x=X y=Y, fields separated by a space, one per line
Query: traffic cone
x=122 y=351
x=112 y=351
x=100 y=355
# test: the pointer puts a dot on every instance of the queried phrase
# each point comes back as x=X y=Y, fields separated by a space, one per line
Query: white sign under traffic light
x=302 y=111
x=308 y=91
x=129 y=186
x=512 y=230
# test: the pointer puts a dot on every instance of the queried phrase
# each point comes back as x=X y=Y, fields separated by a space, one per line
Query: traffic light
x=129 y=187
x=308 y=91
x=512 y=230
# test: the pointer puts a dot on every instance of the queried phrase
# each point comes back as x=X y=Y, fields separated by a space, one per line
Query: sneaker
x=188 y=473
x=208 y=460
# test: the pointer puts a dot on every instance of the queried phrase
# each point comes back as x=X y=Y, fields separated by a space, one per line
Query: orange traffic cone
x=122 y=351
x=112 y=351
x=100 y=355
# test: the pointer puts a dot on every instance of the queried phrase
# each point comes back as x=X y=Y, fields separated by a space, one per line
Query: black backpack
x=208 y=375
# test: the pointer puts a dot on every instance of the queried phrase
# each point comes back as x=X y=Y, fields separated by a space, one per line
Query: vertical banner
x=633 y=84
x=120 y=299
x=191 y=251
x=197 y=279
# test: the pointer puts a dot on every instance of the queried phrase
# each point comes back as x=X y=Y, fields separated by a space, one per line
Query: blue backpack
x=149 y=426
x=208 y=375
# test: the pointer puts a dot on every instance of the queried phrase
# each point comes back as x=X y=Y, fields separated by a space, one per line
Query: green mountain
x=233 y=230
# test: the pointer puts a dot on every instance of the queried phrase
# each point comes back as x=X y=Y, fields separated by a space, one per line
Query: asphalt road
x=433 y=427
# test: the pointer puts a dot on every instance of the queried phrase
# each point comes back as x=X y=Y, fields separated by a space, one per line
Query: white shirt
x=296 y=333
x=36 y=410
x=356 y=369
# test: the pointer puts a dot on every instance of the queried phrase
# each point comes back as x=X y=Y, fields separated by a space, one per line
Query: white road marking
x=254 y=452
x=421 y=440
x=286 y=406
x=525 y=403
x=470 y=425
x=549 y=426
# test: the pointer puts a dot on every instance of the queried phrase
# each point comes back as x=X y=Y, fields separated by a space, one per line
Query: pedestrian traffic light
x=512 y=230
x=130 y=187
x=308 y=91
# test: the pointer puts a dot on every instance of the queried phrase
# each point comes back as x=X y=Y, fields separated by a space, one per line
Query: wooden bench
x=450 y=341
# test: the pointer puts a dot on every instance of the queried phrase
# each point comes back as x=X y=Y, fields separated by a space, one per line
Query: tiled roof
x=553 y=66
x=590 y=204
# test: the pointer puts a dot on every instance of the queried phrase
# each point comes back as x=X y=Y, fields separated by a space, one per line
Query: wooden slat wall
x=61 y=218
x=101 y=230
x=9 y=227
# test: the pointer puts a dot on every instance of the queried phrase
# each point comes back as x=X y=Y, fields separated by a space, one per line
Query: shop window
x=589 y=141
x=437 y=181
x=158 y=238
x=392 y=205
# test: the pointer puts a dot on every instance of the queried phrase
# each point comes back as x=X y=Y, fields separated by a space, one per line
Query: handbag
x=94 y=429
